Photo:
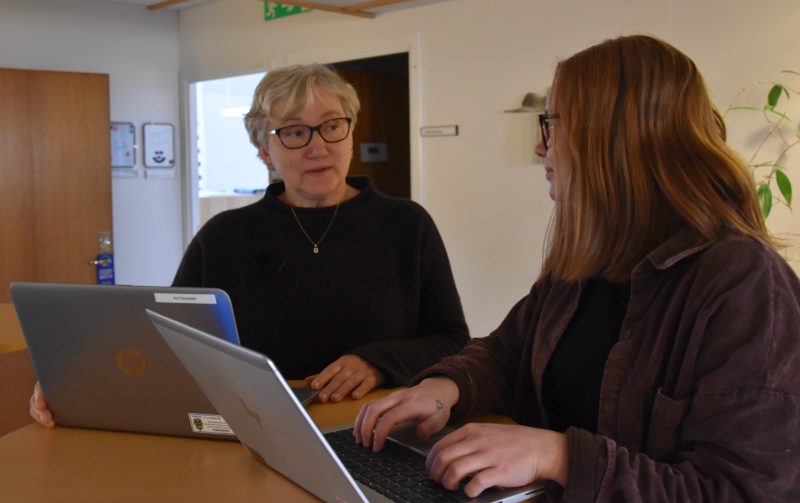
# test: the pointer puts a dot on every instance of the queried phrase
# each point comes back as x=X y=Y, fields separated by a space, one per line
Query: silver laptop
x=102 y=364
x=249 y=391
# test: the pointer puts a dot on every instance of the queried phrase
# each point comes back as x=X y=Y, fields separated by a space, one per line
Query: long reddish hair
x=640 y=152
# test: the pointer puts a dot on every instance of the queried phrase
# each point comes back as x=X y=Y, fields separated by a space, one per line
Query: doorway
x=227 y=172
x=381 y=142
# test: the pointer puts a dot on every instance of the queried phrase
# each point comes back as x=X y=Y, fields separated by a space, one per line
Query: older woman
x=328 y=277
x=656 y=357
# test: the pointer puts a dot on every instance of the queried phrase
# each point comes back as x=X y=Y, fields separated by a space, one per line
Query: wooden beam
x=317 y=6
x=161 y=5
x=374 y=3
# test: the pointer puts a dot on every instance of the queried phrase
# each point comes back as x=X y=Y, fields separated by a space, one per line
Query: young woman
x=656 y=357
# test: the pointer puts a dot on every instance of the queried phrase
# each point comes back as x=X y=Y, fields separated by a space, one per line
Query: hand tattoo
x=439 y=405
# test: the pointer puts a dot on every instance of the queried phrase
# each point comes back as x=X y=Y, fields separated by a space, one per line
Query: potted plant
x=766 y=135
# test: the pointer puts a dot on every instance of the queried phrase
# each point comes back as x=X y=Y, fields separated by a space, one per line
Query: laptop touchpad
x=405 y=434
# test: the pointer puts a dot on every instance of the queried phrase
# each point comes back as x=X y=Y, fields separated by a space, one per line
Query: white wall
x=139 y=51
x=479 y=58
x=476 y=59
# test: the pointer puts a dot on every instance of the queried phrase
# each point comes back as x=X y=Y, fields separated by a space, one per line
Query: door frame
x=409 y=43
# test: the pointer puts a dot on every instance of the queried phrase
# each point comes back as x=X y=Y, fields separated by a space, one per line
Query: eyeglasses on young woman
x=546 y=125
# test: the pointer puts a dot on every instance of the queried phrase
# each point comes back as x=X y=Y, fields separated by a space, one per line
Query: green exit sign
x=274 y=10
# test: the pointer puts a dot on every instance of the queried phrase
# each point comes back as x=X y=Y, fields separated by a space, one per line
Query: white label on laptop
x=186 y=298
x=208 y=423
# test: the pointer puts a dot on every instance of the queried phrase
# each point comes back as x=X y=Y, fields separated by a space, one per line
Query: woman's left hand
x=343 y=376
x=498 y=455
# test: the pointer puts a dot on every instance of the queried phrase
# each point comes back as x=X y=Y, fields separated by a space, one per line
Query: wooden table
x=62 y=464
x=17 y=376
x=39 y=464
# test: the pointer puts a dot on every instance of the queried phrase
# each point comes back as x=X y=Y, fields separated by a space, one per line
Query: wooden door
x=384 y=118
x=55 y=175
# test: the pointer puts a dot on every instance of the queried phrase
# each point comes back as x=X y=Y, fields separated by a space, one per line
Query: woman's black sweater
x=380 y=287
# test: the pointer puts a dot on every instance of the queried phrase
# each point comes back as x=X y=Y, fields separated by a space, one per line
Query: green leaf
x=745 y=108
x=765 y=199
x=778 y=113
x=774 y=95
x=789 y=71
x=785 y=185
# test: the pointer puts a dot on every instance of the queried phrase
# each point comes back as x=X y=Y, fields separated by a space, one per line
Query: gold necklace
x=316 y=250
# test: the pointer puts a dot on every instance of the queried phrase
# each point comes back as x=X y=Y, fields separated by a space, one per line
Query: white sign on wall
x=158 y=146
x=123 y=142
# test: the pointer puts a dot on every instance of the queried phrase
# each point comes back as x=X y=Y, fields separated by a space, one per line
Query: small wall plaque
x=157 y=174
x=124 y=173
x=439 y=131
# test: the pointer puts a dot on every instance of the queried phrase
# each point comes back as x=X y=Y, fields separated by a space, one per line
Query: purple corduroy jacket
x=700 y=398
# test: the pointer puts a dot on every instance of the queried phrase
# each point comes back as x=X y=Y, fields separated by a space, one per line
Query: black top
x=572 y=378
x=380 y=287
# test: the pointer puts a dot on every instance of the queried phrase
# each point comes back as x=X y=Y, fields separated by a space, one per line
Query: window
x=227 y=162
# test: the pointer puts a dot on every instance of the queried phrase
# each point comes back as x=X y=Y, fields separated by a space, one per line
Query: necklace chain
x=316 y=250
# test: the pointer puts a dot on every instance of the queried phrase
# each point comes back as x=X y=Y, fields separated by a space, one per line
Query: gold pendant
x=316 y=250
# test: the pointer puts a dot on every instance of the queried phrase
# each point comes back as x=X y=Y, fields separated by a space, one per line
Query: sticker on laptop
x=186 y=298
x=209 y=423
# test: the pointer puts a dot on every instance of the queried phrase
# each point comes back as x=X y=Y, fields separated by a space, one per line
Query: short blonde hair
x=298 y=83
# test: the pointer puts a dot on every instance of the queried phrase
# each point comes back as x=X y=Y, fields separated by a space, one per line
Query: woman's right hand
x=428 y=403
x=39 y=410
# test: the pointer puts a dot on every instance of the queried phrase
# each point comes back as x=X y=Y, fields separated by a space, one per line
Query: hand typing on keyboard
x=428 y=403
x=396 y=472
x=499 y=455
x=496 y=455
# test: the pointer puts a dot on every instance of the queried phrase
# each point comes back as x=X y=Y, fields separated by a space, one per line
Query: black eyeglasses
x=298 y=136
x=546 y=126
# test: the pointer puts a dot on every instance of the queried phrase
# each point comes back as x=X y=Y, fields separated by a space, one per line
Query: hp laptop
x=102 y=364
x=249 y=391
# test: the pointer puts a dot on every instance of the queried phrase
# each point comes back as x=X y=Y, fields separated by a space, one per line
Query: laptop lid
x=268 y=419
x=102 y=364
x=261 y=409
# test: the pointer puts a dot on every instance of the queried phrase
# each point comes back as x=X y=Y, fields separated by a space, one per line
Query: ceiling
x=333 y=3
x=145 y=3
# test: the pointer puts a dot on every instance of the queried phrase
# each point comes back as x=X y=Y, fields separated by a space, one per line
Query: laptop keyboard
x=396 y=472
